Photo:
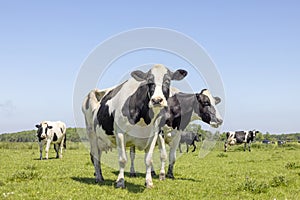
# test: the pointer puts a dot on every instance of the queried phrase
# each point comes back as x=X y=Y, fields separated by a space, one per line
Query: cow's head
x=253 y=133
x=42 y=130
x=158 y=80
x=207 y=108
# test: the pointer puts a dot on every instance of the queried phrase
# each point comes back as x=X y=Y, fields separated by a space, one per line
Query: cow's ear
x=139 y=75
x=37 y=126
x=50 y=127
x=217 y=100
x=179 y=74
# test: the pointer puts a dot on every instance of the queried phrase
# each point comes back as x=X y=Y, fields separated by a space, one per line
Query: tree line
x=79 y=134
x=73 y=135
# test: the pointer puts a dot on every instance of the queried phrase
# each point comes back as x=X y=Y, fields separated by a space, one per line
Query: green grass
x=268 y=172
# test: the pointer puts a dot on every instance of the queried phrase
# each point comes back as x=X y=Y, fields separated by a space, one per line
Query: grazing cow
x=239 y=137
x=128 y=114
x=51 y=133
x=182 y=109
x=189 y=138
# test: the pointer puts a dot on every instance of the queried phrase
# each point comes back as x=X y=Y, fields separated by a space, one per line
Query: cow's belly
x=140 y=137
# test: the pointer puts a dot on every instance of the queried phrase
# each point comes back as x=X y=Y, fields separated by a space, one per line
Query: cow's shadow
x=131 y=187
x=50 y=158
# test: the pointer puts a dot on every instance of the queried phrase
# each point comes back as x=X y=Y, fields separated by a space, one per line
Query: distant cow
x=51 y=133
x=240 y=137
x=189 y=138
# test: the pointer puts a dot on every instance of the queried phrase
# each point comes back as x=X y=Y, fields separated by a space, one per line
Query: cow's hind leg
x=132 y=157
x=172 y=155
x=56 y=148
x=120 y=183
x=194 y=145
x=95 y=158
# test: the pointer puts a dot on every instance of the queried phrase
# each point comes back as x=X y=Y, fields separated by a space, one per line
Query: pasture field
x=268 y=172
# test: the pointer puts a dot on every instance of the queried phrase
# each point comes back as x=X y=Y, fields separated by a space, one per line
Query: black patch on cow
x=166 y=85
x=240 y=136
x=55 y=137
x=136 y=105
x=105 y=119
x=179 y=111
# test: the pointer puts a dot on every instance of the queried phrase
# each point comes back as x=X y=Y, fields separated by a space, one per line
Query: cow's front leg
x=163 y=157
x=47 y=148
x=172 y=156
x=225 y=146
x=149 y=161
x=41 y=150
x=120 y=183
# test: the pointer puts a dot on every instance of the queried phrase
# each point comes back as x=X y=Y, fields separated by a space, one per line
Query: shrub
x=253 y=186
x=279 y=181
x=222 y=155
x=291 y=165
x=23 y=175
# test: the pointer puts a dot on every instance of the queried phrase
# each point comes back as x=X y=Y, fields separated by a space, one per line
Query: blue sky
x=255 y=46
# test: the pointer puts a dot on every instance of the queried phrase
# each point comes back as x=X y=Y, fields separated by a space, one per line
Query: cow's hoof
x=162 y=176
x=171 y=176
x=153 y=173
x=120 y=183
x=99 y=180
x=132 y=174
x=149 y=184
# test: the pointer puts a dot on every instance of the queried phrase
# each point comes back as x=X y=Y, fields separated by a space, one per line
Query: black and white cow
x=189 y=138
x=182 y=109
x=51 y=133
x=239 y=137
x=128 y=114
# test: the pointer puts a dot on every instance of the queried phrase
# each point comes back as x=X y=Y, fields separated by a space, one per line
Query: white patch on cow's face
x=213 y=103
x=158 y=99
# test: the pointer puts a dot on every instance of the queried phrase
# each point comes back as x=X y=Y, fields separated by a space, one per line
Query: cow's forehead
x=159 y=71
x=44 y=124
x=208 y=94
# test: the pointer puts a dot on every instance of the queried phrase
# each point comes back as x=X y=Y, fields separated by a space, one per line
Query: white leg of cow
x=47 y=148
x=132 y=157
x=41 y=150
x=61 y=147
x=120 y=183
x=163 y=157
x=174 y=145
x=149 y=161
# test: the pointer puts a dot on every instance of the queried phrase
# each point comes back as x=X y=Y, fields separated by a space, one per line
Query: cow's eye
x=207 y=103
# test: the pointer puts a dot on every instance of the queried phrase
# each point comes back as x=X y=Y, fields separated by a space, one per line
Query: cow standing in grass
x=240 y=137
x=189 y=138
x=128 y=114
x=182 y=109
x=51 y=133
